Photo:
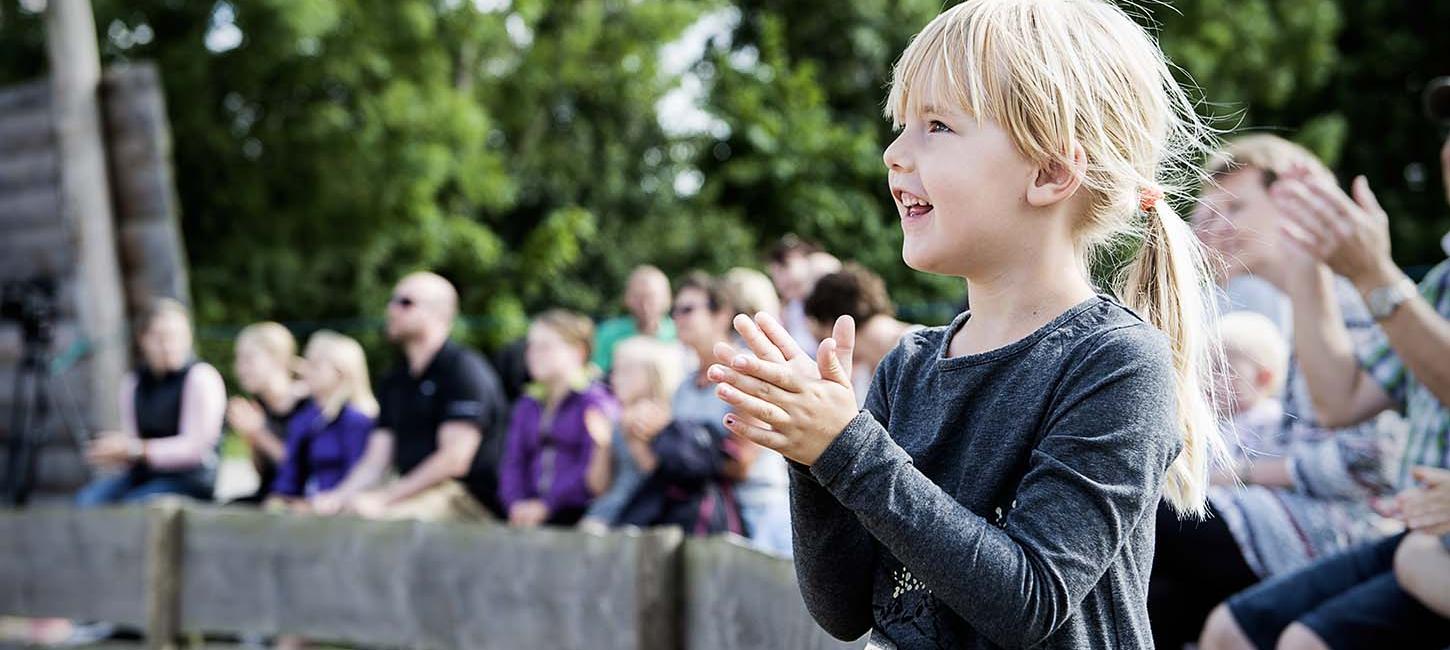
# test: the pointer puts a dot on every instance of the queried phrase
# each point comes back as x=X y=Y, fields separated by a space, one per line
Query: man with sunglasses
x=441 y=421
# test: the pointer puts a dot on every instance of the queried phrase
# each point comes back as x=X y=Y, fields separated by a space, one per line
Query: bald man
x=441 y=421
x=647 y=299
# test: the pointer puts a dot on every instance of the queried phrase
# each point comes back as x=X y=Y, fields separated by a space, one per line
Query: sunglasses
x=681 y=311
x=402 y=301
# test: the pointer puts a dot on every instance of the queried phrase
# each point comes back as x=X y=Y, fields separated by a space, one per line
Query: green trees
x=325 y=147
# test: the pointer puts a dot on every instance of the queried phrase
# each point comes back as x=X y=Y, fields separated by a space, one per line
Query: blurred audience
x=857 y=292
x=266 y=359
x=645 y=375
x=1354 y=598
x=647 y=299
x=693 y=465
x=330 y=431
x=795 y=273
x=563 y=422
x=172 y=409
x=440 y=420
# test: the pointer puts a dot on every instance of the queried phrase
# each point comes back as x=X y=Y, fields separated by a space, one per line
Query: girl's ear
x=1058 y=181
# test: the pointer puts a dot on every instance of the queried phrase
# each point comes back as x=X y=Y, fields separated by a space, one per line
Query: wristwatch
x=1382 y=301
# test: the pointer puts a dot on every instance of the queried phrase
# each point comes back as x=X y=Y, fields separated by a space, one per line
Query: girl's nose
x=897 y=156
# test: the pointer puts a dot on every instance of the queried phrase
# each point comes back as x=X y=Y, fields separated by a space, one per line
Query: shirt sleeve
x=1381 y=362
x=1089 y=484
x=513 y=481
x=624 y=480
x=292 y=473
x=827 y=535
x=469 y=392
x=203 y=408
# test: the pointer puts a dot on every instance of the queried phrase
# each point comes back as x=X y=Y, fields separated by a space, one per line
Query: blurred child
x=563 y=420
x=645 y=375
x=329 y=434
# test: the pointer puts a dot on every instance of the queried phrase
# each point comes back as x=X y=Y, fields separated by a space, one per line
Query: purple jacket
x=320 y=453
x=552 y=467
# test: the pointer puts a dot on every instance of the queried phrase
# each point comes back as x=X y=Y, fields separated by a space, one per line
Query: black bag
x=687 y=488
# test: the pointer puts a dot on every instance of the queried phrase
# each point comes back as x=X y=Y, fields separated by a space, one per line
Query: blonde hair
x=1257 y=339
x=662 y=362
x=750 y=291
x=1059 y=74
x=1267 y=153
x=347 y=356
x=576 y=329
x=274 y=340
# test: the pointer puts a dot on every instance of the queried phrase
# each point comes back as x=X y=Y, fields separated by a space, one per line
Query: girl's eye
x=937 y=126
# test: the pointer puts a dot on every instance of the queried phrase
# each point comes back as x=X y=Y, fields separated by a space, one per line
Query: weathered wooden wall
x=403 y=584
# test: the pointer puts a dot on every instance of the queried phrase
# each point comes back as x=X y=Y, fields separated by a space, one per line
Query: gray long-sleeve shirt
x=1002 y=499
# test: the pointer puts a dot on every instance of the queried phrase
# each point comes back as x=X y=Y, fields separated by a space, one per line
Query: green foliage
x=517 y=147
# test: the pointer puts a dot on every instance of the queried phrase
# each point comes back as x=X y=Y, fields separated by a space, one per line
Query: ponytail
x=1166 y=284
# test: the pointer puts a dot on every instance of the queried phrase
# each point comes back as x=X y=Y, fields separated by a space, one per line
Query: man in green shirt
x=647 y=299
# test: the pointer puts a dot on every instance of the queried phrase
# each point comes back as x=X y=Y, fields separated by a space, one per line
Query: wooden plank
x=26 y=130
x=147 y=211
x=85 y=190
x=33 y=207
x=737 y=597
x=28 y=171
x=435 y=585
x=29 y=95
x=85 y=565
x=163 y=573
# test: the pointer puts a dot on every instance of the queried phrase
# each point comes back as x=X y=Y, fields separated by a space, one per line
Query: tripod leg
x=36 y=433
x=19 y=432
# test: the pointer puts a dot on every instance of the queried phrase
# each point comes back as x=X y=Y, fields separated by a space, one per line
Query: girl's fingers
x=724 y=353
x=753 y=386
x=756 y=434
x=779 y=335
x=1431 y=476
x=775 y=373
x=759 y=343
x=1341 y=211
x=830 y=364
x=845 y=335
x=753 y=406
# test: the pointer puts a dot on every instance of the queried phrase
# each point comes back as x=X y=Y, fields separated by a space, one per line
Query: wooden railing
x=172 y=570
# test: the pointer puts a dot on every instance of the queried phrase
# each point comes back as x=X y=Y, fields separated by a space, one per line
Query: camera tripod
x=30 y=421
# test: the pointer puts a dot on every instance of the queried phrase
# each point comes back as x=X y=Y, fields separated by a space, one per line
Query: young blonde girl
x=266 y=363
x=645 y=374
x=329 y=434
x=1000 y=487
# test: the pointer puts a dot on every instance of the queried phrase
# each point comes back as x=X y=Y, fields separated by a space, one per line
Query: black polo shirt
x=458 y=384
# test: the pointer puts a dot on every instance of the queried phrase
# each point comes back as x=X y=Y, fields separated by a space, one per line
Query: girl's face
x=550 y=358
x=630 y=378
x=166 y=343
x=320 y=374
x=255 y=368
x=959 y=188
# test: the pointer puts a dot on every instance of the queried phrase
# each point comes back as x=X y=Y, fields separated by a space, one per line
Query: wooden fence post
x=163 y=573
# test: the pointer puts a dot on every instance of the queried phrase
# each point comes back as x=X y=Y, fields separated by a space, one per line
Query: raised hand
x=1352 y=236
x=781 y=399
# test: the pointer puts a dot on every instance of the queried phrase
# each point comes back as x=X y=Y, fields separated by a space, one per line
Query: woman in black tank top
x=171 y=417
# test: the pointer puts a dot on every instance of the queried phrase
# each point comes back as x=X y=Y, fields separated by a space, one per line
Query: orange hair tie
x=1149 y=196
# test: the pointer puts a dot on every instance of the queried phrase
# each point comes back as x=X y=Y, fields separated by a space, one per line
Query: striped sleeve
x=1380 y=360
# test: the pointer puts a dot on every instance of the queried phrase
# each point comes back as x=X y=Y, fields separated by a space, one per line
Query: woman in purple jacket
x=561 y=422
x=327 y=436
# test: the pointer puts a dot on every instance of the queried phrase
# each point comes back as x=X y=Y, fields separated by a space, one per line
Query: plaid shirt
x=1429 y=420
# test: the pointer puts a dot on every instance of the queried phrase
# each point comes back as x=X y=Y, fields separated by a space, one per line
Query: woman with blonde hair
x=266 y=363
x=330 y=433
x=1000 y=487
